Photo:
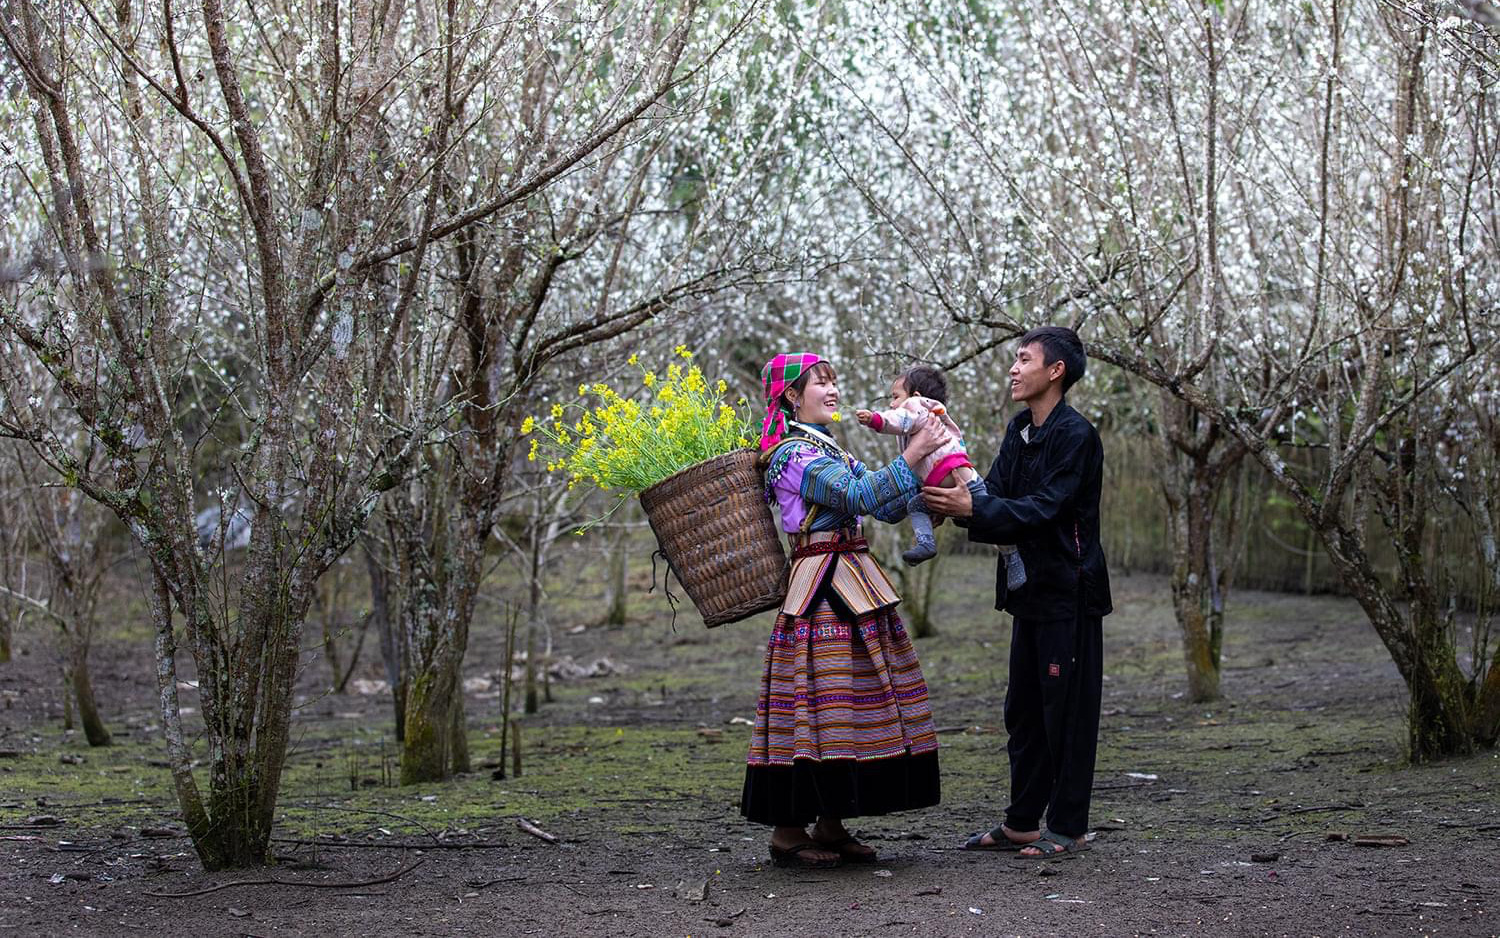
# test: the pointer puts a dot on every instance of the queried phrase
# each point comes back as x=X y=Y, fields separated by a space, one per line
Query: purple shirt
x=788 y=489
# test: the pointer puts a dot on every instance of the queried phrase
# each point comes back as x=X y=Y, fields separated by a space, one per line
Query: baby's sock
x=1015 y=569
x=925 y=547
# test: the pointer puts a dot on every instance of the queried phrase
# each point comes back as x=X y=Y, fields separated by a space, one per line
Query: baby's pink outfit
x=903 y=419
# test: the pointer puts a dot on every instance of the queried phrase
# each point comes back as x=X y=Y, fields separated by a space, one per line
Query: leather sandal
x=1054 y=846
x=849 y=849
x=795 y=856
x=1002 y=842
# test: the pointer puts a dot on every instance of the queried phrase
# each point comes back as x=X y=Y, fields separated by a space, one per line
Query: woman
x=842 y=725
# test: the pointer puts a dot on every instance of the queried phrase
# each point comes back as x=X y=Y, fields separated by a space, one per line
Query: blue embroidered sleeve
x=860 y=491
x=893 y=511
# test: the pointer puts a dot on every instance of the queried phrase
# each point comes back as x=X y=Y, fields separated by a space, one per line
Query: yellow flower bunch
x=616 y=441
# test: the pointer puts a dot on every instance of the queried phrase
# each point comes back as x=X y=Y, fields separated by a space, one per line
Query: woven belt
x=830 y=542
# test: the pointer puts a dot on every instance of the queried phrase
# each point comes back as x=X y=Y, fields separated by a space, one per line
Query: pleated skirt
x=843 y=727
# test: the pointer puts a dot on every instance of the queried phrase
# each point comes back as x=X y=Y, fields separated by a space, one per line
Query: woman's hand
x=928 y=437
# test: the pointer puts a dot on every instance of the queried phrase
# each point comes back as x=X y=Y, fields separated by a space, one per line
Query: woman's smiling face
x=818 y=400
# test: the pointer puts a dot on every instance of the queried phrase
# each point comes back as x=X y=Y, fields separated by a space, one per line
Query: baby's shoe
x=924 y=549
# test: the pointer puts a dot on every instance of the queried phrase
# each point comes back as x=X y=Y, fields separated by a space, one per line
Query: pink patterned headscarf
x=778 y=375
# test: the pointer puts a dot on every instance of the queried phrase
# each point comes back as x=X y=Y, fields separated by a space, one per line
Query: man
x=1042 y=494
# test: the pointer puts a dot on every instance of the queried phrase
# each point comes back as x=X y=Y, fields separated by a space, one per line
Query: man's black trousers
x=1052 y=715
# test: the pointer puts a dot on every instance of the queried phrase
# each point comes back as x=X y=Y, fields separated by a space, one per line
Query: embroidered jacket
x=807 y=476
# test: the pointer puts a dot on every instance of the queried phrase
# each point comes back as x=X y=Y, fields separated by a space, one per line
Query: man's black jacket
x=1044 y=498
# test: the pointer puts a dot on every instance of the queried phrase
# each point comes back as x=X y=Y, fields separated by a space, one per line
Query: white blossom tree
x=1276 y=216
x=246 y=228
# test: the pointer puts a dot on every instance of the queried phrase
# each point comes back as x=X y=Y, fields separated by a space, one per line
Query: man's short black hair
x=925 y=381
x=1059 y=343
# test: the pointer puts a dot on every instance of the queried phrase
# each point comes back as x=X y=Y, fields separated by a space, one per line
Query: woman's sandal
x=1002 y=842
x=794 y=857
x=1054 y=846
x=849 y=850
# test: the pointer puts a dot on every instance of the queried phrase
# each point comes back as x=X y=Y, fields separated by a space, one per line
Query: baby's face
x=898 y=392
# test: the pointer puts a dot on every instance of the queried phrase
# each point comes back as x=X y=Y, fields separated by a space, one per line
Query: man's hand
x=956 y=502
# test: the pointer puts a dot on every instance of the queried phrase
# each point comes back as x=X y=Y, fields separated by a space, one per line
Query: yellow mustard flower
x=527 y=426
x=557 y=411
x=627 y=443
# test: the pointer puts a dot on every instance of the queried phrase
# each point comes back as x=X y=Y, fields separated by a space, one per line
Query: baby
x=916 y=392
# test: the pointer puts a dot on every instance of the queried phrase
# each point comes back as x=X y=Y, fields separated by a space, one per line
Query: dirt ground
x=1243 y=818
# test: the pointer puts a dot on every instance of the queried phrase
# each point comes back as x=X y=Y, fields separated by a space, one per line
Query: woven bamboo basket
x=719 y=538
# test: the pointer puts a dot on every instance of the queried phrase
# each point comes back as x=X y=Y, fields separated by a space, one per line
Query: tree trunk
x=67 y=696
x=533 y=703
x=1439 y=718
x=918 y=584
x=436 y=627
x=331 y=654
x=83 y=689
x=427 y=753
x=239 y=834
x=615 y=615
x=1489 y=707
x=534 y=612
x=1195 y=585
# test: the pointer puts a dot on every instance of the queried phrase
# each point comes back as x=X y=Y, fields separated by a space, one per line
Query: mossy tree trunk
x=1196 y=460
x=68 y=532
x=435 y=620
x=94 y=729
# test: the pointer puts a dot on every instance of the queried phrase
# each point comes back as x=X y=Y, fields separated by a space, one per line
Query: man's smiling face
x=1029 y=376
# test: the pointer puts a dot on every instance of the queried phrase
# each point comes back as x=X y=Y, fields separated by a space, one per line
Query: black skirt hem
x=798 y=794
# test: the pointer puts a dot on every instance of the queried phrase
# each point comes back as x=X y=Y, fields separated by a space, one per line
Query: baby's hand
x=863 y=416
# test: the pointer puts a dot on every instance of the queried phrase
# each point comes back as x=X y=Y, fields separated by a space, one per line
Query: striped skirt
x=842 y=724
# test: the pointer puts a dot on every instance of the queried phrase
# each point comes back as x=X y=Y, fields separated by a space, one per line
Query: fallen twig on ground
x=1313 y=809
x=292 y=882
x=394 y=845
x=536 y=832
x=485 y=883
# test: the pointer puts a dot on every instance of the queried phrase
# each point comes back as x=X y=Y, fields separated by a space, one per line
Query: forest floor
x=1241 y=818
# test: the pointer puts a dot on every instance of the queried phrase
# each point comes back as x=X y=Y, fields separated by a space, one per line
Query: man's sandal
x=849 y=850
x=1053 y=846
x=1002 y=842
x=795 y=857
